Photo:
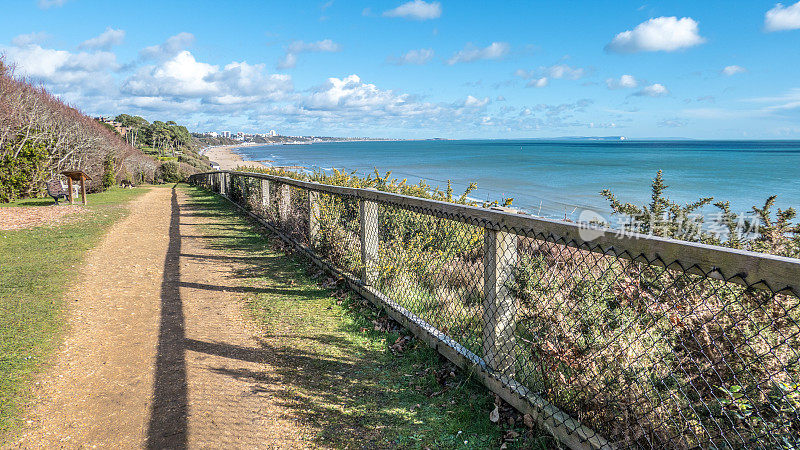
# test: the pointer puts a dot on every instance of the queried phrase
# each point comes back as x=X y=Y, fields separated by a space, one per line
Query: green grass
x=343 y=380
x=37 y=266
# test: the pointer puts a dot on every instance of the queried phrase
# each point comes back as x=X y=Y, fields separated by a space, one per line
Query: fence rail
x=609 y=339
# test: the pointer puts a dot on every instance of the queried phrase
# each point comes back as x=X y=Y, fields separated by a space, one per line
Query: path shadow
x=336 y=393
x=227 y=258
x=168 y=416
x=309 y=293
x=323 y=380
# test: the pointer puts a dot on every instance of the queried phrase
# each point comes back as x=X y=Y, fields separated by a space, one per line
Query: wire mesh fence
x=645 y=343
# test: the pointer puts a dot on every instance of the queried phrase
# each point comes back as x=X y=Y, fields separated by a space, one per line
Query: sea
x=563 y=178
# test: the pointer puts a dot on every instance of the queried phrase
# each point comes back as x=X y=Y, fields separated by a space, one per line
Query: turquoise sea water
x=558 y=178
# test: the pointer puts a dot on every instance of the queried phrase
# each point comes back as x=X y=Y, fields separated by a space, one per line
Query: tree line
x=165 y=137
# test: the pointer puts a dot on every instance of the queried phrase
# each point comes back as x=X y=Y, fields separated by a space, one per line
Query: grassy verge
x=37 y=266
x=352 y=375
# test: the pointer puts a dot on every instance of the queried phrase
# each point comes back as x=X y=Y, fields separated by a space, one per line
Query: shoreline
x=227 y=157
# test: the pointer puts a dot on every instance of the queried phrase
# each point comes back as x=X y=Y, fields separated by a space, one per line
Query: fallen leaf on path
x=494 y=416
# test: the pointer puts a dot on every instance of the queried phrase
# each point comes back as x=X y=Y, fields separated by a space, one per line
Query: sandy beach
x=228 y=159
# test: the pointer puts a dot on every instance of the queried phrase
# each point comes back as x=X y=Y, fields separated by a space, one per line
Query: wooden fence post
x=265 y=194
x=368 y=232
x=499 y=305
x=284 y=203
x=313 y=216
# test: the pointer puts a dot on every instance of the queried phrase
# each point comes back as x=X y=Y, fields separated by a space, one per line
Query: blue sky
x=710 y=69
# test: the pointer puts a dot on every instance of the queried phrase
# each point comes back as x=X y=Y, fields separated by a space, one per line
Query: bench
x=56 y=190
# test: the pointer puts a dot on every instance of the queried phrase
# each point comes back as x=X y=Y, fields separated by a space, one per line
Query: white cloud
x=45 y=4
x=251 y=80
x=351 y=92
x=171 y=47
x=556 y=110
x=416 y=57
x=654 y=90
x=325 y=45
x=624 y=82
x=666 y=34
x=560 y=71
x=105 y=40
x=181 y=76
x=27 y=39
x=541 y=77
x=538 y=82
x=416 y=9
x=289 y=60
x=733 y=70
x=788 y=101
x=782 y=18
x=60 y=68
x=496 y=50
x=184 y=77
x=473 y=102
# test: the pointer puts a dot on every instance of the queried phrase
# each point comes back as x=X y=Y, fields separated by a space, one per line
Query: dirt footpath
x=155 y=329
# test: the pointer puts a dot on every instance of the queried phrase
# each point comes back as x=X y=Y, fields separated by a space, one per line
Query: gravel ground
x=15 y=218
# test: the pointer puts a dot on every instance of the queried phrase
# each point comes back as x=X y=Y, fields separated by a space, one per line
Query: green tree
x=109 y=175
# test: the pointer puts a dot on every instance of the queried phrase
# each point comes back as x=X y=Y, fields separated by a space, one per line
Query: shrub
x=21 y=174
x=169 y=172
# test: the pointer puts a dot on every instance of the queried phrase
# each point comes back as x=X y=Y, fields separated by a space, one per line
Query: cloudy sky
x=461 y=69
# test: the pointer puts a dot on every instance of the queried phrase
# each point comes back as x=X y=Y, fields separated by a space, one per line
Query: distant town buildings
x=270 y=136
x=110 y=121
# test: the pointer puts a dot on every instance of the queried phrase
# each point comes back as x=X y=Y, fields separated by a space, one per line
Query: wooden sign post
x=76 y=175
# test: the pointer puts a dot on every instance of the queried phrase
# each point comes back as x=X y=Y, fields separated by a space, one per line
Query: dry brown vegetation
x=40 y=136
